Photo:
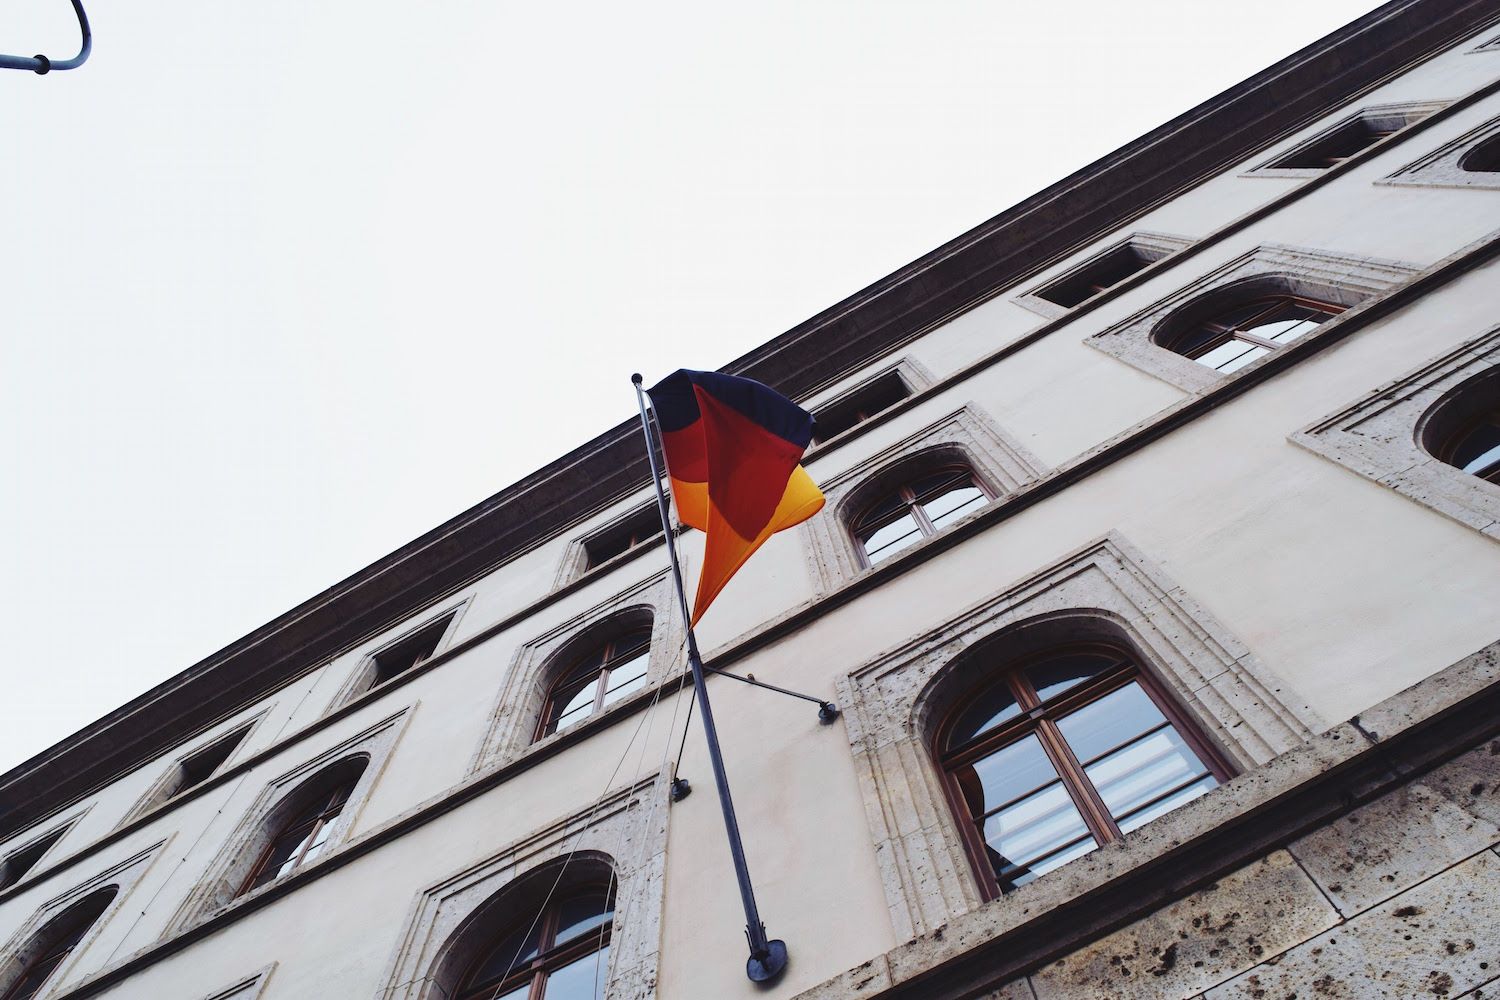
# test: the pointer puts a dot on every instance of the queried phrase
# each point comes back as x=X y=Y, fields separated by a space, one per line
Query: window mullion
x=1090 y=806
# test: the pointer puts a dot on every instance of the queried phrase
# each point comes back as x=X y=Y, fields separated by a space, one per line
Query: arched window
x=1483 y=158
x=1063 y=751
x=606 y=673
x=51 y=945
x=917 y=508
x=298 y=830
x=562 y=953
x=1463 y=429
x=1231 y=338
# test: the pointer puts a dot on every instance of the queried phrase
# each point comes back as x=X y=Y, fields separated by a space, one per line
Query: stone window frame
x=1377 y=437
x=968 y=435
x=914 y=375
x=217 y=889
x=124 y=875
x=1104 y=588
x=154 y=799
x=250 y=987
x=626 y=829
x=575 y=560
x=361 y=680
x=1440 y=168
x=59 y=829
x=1412 y=111
x=522 y=698
x=1163 y=244
x=1340 y=279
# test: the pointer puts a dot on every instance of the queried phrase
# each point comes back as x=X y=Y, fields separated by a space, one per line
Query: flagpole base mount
x=765 y=968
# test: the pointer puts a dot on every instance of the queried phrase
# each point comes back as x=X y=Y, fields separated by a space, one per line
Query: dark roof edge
x=873 y=321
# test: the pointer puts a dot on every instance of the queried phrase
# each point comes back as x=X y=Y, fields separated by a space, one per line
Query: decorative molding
x=1377 y=437
x=249 y=988
x=124 y=876
x=1155 y=246
x=523 y=696
x=1104 y=589
x=1440 y=168
x=968 y=435
x=575 y=560
x=625 y=832
x=1406 y=114
x=1328 y=277
x=362 y=678
x=220 y=885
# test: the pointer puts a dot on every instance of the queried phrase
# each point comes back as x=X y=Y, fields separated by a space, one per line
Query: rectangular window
x=16 y=864
x=410 y=650
x=1350 y=137
x=635 y=530
x=858 y=406
x=1105 y=271
x=204 y=764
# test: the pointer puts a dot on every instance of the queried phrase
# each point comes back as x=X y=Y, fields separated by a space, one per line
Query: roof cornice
x=956 y=276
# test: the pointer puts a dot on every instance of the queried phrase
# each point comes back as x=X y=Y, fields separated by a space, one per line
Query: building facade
x=1158 y=585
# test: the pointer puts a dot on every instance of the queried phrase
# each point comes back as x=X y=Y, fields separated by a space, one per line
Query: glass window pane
x=513 y=952
x=581 y=915
x=892 y=538
x=927 y=487
x=1032 y=828
x=1169 y=803
x=1044 y=865
x=1284 y=330
x=1053 y=677
x=578 y=705
x=1236 y=363
x=1116 y=718
x=951 y=506
x=1478 y=448
x=1484 y=462
x=891 y=506
x=984 y=712
x=626 y=645
x=1138 y=773
x=1231 y=356
x=581 y=979
x=1012 y=771
x=625 y=678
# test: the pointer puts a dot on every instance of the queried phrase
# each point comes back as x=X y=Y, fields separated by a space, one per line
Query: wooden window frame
x=863 y=525
x=611 y=658
x=549 y=958
x=1041 y=718
x=1224 y=333
x=334 y=801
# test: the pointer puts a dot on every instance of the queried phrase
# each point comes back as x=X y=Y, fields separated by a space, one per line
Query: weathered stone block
x=1384 y=848
x=1246 y=917
x=1438 y=939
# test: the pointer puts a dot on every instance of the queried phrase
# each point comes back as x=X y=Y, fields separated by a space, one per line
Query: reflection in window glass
x=1235 y=337
x=917 y=509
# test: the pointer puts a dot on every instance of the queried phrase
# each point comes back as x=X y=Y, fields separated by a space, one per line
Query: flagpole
x=767 y=958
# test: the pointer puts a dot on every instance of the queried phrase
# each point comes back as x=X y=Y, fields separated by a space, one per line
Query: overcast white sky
x=287 y=284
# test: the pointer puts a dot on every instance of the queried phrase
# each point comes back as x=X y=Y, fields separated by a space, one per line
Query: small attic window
x=199 y=767
x=15 y=865
x=1352 y=136
x=617 y=539
x=880 y=393
x=1105 y=271
x=408 y=651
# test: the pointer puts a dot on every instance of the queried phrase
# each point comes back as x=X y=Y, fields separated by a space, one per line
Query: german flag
x=732 y=447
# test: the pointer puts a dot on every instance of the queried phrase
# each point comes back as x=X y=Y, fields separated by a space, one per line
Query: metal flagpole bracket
x=768 y=958
x=41 y=65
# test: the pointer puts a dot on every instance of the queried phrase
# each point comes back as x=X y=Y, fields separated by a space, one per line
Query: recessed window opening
x=1234 y=337
x=300 y=829
x=609 y=672
x=1483 y=158
x=858 y=406
x=633 y=531
x=16 y=864
x=562 y=954
x=1067 y=750
x=916 y=510
x=199 y=767
x=1108 y=270
x=1464 y=429
x=57 y=939
x=1346 y=140
x=409 y=651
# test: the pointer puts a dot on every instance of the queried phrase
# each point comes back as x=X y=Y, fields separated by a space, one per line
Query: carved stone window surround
x=1376 y=437
x=912 y=373
x=61 y=828
x=361 y=679
x=250 y=987
x=625 y=831
x=537 y=663
x=1440 y=168
x=1162 y=244
x=575 y=561
x=1412 y=111
x=967 y=435
x=1271 y=268
x=153 y=800
x=219 y=888
x=125 y=875
x=1105 y=587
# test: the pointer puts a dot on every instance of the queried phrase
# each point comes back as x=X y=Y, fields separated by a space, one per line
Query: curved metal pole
x=41 y=64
